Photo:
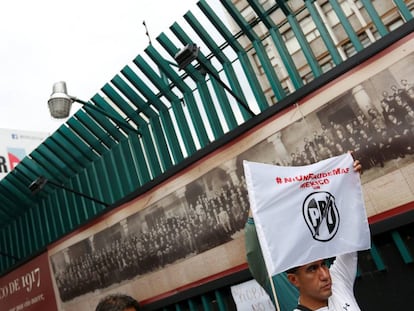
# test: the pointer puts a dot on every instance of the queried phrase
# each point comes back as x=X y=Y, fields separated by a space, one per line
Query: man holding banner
x=318 y=212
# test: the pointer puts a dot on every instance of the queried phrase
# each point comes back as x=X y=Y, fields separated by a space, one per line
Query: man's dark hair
x=292 y=270
x=117 y=302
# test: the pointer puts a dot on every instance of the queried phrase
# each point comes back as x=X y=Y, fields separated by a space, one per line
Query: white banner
x=307 y=213
x=250 y=296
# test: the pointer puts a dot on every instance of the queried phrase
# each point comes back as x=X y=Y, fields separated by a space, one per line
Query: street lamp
x=189 y=53
x=60 y=103
x=41 y=181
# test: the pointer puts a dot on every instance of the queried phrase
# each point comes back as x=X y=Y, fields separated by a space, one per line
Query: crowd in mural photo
x=206 y=222
x=375 y=137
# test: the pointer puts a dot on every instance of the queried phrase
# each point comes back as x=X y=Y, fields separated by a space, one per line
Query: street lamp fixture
x=60 y=104
x=190 y=53
x=41 y=181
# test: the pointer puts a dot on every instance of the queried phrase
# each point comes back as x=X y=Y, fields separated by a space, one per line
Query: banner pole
x=272 y=285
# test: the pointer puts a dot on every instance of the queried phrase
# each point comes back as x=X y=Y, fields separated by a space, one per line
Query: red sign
x=28 y=288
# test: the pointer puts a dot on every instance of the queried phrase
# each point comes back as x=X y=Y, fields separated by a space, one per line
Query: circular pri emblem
x=321 y=215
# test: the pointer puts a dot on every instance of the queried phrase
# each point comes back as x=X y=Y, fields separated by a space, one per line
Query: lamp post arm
x=78 y=193
x=121 y=122
x=218 y=79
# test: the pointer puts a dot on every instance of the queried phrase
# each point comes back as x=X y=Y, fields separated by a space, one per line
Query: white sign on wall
x=250 y=296
x=15 y=145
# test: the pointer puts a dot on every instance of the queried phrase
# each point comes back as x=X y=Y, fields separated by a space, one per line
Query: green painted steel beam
x=305 y=46
x=134 y=98
x=7 y=213
x=246 y=64
x=324 y=33
x=101 y=188
x=60 y=220
x=163 y=111
x=34 y=225
x=55 y=160
x=41 y=162
x=148 y=144
x=110 y=112
x=203 y=90
x=206 y=303
x=220 y=301
x=192 y=306
x=176 y=104
x=157 y=78
x=279 y=43
x=353 y=37
x=187 y=93
x=49 y=165
x=154 y=121
x=10 y=197
x=205 y=36
x=259 y=49
x=123 y=106
x=87 y=137
x=30 y=167
x=122 y=171
x=25 y=177
x=86 y=185
x=73 y=142
x=18 y=189
x=77 y=143
x=376 y=19
x=165 y=67
x=73 y=201
x=269 y=70
x=245 y=27
x=114 y=173
x=112 y=130
x=402 y=248
x=404 y=10
x=65 y=211
x=30 y=234
x=100 y=133
x=379 y=263
x=124 y=154
x=150 y=152
x=15 y=248
x=228 y=70
x=81 y=203
x=64 y=153
x=137 y=155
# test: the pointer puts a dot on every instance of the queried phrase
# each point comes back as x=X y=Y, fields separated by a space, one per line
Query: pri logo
x=15 y=155
x=321 y=215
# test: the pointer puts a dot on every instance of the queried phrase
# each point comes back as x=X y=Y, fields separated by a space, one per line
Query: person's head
x=118 y=302
x=314 y=283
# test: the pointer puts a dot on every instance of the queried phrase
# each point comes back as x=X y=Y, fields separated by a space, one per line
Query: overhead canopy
x=177 y=113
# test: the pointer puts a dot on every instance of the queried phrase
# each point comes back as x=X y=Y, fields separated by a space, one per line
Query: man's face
x=313 y=281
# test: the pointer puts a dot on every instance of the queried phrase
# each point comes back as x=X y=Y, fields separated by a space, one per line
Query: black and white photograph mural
x=374 y=118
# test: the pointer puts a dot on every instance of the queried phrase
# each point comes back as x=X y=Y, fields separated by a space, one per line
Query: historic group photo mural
x=375 y=118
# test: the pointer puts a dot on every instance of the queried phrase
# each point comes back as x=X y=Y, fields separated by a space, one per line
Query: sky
x=83 y=42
